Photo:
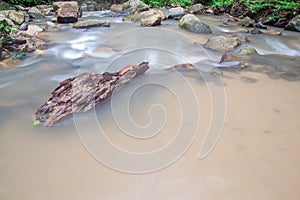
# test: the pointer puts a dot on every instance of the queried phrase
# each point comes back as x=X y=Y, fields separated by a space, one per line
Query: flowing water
x=204 y=134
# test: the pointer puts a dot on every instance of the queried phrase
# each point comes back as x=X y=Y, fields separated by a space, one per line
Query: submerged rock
x=153 y=20
x=271 y=32
x=241 y=55
x=294 y=24
x=225 y=43
x=246 y=51
x=91 y=23
x=192 y=23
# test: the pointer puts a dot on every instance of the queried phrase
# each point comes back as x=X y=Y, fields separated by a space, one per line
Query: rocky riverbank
x=21 y=27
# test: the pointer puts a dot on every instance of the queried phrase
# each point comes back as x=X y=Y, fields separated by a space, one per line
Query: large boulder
x=91 y=23
x=16 y=16
x=153 y=20
x=133 y=6
x=225 y=43
x=176 y=13
x=66 y=11
x=192 y=23
x=294 y=24
x=138 y=17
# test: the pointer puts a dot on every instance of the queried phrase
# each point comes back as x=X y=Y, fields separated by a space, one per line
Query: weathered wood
x=83 y=92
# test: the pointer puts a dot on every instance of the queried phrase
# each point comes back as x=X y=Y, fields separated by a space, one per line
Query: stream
x=215 y=133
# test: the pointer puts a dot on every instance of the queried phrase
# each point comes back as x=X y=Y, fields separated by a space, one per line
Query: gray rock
x=192 y=23
x=247 y=51
x=17 y=17
x=153 y=20
x=225 y=43
x=46 y=10
x=33 y=30
x=24 y=26
x=197 y=8
x=6 y=20
x=21 y=8
x=6 y=6
x=116 y=8
x=91 y=23
x=35 y=10
x=138 y=17
x=255 y=31
x=294 y=24
x=50 y=26
x=176 y=13
x=247 y=22
x=133 y=6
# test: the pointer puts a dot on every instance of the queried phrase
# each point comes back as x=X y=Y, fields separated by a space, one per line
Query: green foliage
x=5 y=29
x=155 y=3
x=36 y=122
x=28 y=2
x=19 y=55
x=256 y=5
x=222 y=2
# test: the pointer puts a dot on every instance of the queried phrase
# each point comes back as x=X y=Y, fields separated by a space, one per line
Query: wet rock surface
x=226 y=43
x=138 y=17
x=91 y=23
x=192 y=23
x=294 y=24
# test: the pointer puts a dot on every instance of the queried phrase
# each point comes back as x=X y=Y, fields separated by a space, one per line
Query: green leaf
x=36 y=122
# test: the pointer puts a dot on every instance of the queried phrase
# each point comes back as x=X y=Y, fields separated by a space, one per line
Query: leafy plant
x=256 y=5
x=28 y=2
x=222 y=2
x=6 y=30
x=182 y=3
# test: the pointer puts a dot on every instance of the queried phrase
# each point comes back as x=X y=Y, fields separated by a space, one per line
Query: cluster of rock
x=69 y=12
x=19 y=43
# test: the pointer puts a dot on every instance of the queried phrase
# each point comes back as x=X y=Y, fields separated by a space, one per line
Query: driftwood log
x=83 y=92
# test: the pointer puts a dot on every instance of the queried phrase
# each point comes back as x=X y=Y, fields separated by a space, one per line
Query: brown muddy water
x=208 y=134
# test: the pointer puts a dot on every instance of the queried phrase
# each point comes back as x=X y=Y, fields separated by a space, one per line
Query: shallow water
x=147 y=141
